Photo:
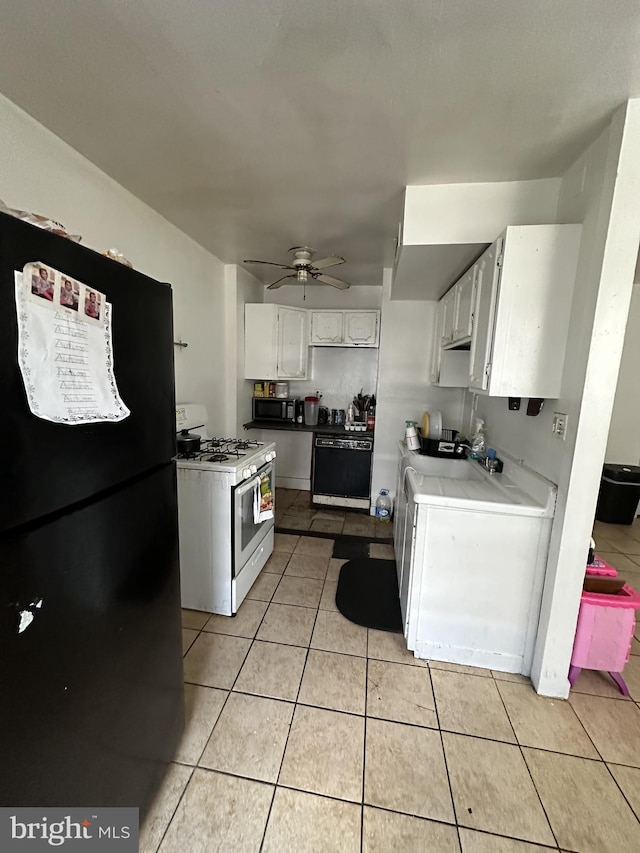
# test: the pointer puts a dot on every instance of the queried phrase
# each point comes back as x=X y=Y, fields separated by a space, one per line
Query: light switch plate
x=559 y=425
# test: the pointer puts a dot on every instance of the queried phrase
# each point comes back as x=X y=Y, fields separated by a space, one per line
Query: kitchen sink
x=453 y=469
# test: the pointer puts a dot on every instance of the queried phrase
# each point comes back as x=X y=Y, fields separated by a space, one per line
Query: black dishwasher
x=341 y=471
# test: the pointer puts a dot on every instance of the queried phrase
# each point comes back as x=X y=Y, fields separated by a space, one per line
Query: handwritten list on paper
x=64 y=348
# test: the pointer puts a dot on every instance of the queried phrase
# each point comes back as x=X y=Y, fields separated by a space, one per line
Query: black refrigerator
x=91 y=692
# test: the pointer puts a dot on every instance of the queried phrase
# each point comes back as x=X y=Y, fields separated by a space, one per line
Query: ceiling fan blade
x=331 y=261
x=269 y=264
x=334 y=282
x=280 y=282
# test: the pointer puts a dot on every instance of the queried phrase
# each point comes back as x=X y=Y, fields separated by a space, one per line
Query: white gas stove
x=240 y=457
x=223 y=545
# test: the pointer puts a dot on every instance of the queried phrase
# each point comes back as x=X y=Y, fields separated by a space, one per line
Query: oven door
x=247 y=535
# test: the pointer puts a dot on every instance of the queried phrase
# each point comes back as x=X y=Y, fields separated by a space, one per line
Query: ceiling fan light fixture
x=305 y=270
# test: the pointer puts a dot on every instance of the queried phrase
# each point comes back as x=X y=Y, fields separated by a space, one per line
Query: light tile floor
x=308 y=733
x=293 y=512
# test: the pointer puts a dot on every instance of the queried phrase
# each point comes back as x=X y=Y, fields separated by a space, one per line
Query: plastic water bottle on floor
x=383 y=506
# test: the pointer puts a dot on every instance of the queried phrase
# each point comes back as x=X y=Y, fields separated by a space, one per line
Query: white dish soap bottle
x=478 y=441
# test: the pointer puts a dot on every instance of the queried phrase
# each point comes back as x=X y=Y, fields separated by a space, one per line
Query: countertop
x=325 y=429
x=458 y=483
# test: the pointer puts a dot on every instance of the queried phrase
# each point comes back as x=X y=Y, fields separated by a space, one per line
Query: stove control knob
x=246 y=473
x=269 y=456
x=254 y=469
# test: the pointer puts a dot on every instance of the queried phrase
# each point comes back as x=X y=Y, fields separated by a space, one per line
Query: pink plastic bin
x=600 y=568
x=604 y=634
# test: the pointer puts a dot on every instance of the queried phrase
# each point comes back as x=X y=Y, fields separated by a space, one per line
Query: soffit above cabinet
x=445 y=228
x=427 y=272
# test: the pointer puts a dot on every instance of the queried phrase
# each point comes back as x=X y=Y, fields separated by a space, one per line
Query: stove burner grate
x=218 y=457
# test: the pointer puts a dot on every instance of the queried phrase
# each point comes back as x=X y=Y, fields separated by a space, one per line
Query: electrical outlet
x=559 y=426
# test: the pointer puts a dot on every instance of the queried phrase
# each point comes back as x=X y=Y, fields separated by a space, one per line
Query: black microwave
x=274 y=409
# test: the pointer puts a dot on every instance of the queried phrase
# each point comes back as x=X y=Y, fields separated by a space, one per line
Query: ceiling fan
x=305 y=270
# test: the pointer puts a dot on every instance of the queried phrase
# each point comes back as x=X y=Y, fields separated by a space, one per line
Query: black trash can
x=619 y=494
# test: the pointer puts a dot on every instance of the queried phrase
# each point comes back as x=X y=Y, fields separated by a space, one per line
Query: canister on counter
x=333 y=417
x=340 y=417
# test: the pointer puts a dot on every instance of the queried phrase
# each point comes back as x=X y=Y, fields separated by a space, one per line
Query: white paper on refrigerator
x=64 y=348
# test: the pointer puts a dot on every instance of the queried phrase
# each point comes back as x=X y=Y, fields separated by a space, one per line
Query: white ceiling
x=256 y=125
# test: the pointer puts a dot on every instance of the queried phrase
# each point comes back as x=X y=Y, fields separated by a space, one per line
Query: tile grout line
x=173 y=813
x=624 y=796
x=446 y=763
x=230 y=689
x=535 y=787
x=251 y=645
x=286 y=743
x=364 y=745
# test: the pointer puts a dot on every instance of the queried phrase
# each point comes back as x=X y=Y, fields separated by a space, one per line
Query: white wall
x=404 y=385
x=601 y=190
x=523 y=436
x=475 y=213
x=624 y=432
x=41 y=173
x=339 y=373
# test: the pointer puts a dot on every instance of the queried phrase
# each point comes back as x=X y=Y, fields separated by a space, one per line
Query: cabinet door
x=436 y=352
x=326 y=327
x=361 y=328
x=449 y=307
x=292 y=343
x=487 y=283
x=463 y=324
x=260 y=341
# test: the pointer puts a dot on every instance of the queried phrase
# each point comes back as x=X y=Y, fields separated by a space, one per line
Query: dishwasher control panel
x=344 y=443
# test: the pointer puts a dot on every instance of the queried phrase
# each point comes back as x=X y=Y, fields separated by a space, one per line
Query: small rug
x=350 y=548
x=367 y=594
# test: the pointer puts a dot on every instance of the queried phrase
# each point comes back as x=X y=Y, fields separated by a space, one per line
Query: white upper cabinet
x=524 y=291
x=449 y=316
x=437 y=346
x=292 y=343
x=508 y=316
x=361 y=328
x=464 y=305
x=345 y=328
x=276 y=342
x=486 y=293
x=326 y=327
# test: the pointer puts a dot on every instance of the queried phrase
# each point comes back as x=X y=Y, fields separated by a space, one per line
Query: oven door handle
x=248 y=485
x=255 y=480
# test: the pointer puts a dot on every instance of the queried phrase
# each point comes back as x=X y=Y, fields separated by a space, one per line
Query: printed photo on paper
x=69 y=293
x=92 y=304
x=43 y=282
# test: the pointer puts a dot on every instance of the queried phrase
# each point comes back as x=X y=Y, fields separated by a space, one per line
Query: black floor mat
x=367 y=594
x=350 y=548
